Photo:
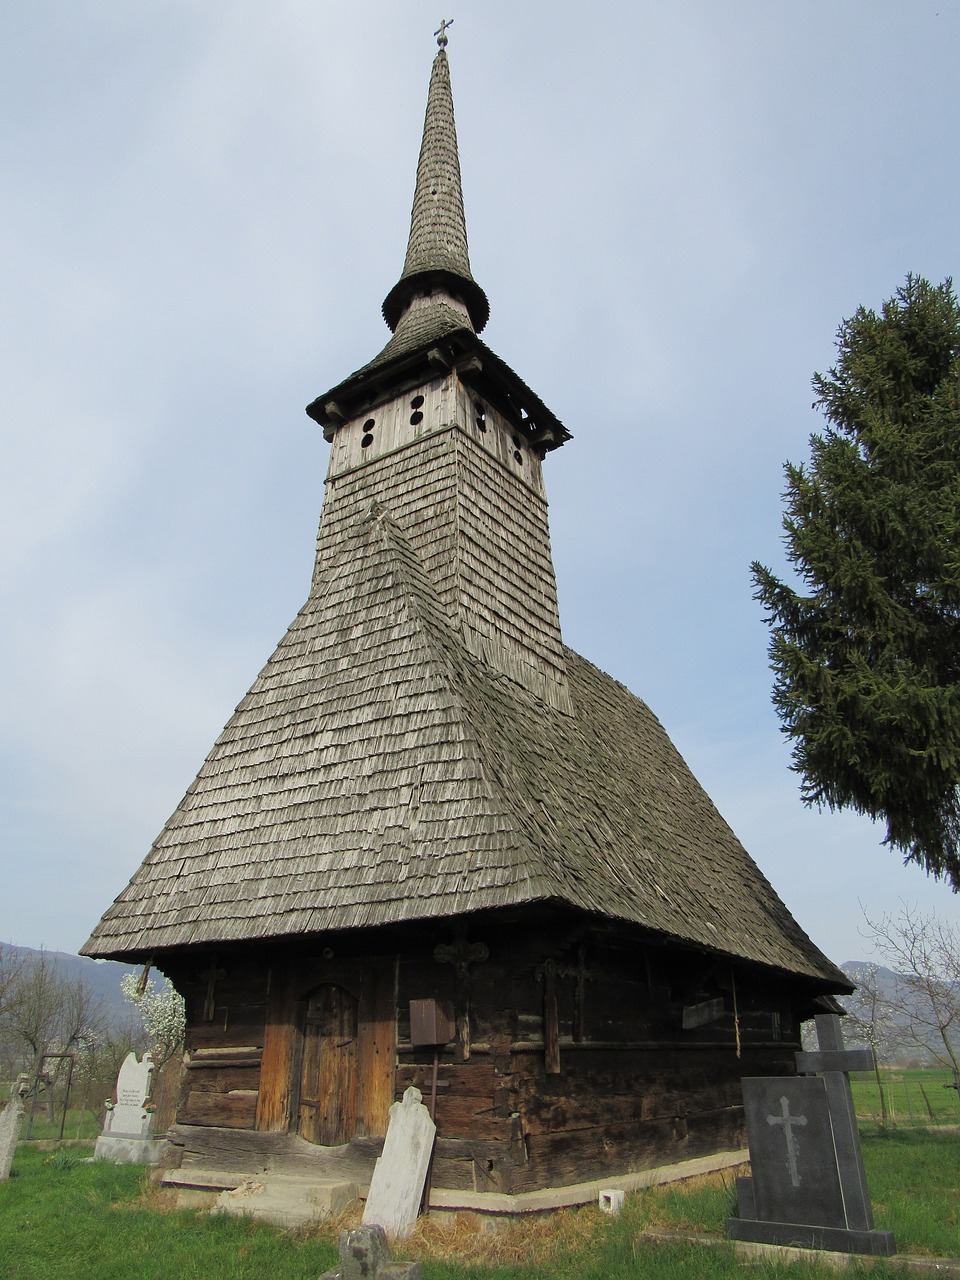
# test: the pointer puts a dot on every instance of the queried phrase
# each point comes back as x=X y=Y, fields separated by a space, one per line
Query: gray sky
x=671 y=209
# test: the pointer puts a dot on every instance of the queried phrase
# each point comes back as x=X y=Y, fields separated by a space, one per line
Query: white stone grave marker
x=401 y=1171
x=127 y=1136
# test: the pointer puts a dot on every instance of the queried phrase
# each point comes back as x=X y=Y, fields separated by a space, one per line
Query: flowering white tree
x=163 y=1013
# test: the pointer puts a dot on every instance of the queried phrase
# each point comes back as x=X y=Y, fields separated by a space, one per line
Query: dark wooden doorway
x=329 y=1073
x=357 y=1080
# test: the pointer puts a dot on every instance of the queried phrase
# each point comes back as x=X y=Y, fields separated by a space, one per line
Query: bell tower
x=438 y=433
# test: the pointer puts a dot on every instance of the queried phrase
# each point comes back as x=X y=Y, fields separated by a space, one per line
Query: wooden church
x=432 y=830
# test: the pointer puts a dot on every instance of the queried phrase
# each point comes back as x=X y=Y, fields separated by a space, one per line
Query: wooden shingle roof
x=376 y=772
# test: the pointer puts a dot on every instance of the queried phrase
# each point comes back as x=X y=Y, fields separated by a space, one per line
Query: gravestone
x=127 y=1136
x=365 y=1255
x=11 y=1120
x=808 y=1187
x=396 y=1188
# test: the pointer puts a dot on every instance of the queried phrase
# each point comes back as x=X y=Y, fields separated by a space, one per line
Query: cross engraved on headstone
x=788 y=1121
x=817 y=1198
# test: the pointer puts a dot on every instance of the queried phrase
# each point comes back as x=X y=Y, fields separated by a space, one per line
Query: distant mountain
x=900 y=1046
x=101 y=977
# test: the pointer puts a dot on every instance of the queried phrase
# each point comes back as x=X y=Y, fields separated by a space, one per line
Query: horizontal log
x=460 y=1118
x=474 y=1079
x=224 y=1079
x=226 y=1111
x=221 y=1056
x=562 y=1159
x=214 y=1035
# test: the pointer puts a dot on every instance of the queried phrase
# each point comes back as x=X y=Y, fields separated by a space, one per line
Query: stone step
x=191 y=1178
x=287 y=1201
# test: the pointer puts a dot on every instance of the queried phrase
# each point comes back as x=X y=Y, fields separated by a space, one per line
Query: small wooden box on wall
x=431 y=1022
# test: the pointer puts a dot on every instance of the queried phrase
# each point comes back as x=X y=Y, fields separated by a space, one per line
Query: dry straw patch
x=536 y=1238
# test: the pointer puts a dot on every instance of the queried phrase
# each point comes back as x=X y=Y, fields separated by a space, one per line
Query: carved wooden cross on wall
x=213 y=976
x=461 y=954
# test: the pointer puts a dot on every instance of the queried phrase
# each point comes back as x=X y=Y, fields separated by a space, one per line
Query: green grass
x=914 y=1181
x=79 y=1124
x=63 y=1219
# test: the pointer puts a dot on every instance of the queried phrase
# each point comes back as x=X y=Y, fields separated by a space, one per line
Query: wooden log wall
x=244 y=1033
x=577 y=1055
x=579 y=1063
x=226 y=1001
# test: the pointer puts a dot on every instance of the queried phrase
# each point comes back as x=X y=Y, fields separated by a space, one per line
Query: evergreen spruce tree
x=866 y=654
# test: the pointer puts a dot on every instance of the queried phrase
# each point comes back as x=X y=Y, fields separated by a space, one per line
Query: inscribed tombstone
x=127 y=1136
x=133 y=1090
x=809 y=1189
x=401 y=1171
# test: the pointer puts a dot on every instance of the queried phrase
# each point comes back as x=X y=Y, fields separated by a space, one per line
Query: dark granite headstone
x=794 y=1161
x=808 y=1187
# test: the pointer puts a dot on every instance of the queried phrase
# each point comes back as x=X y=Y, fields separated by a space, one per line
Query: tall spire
x=437 y=259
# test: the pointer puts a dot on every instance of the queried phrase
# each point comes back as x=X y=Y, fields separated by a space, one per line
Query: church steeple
x=437 y=261
x=436 y=309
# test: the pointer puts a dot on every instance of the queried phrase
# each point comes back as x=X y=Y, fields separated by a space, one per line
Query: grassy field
x=62 y=1219
x=914 y=1098
x=79 y=1125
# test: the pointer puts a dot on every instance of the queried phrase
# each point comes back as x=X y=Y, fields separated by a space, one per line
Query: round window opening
x=367 y=441
x=416 y=402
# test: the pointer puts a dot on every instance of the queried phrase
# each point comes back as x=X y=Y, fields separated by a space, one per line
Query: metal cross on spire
x=441 y=33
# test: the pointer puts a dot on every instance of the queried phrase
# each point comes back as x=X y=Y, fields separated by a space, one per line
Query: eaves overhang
x=462 y=352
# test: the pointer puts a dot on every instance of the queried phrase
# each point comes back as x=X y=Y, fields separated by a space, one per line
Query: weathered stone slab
x=11 y=1121
x=365 y=1255
x=287 y=1201
x=396 y=1188
x=363 y=1251
x=805 y=1236
x=815 y=1062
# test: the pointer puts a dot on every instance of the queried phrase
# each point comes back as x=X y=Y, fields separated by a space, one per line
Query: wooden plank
x=279 y=1046
x=219 y=1035
x=378 y=1045
x=551 y=1029
x=475 y=1079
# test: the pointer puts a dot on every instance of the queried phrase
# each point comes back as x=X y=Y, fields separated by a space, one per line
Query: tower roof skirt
x=437 y=258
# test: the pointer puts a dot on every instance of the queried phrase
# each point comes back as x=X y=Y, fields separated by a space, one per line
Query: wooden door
x=329 y=1072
